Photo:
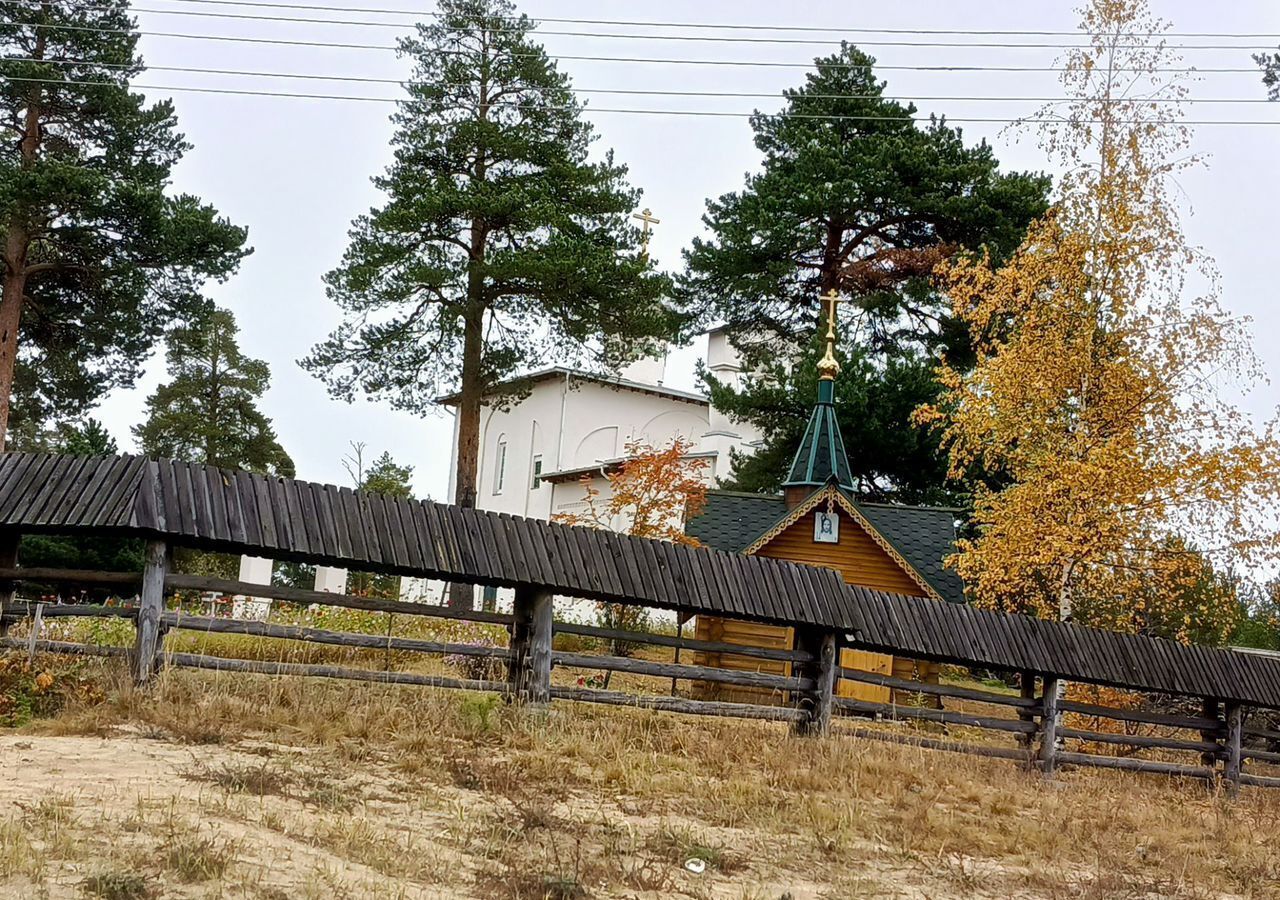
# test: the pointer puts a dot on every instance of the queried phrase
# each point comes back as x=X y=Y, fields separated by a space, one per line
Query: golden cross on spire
x=646 y=217
x=829 y=366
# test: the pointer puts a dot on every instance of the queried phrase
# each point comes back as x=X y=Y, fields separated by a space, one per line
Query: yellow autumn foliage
x=1096 y=401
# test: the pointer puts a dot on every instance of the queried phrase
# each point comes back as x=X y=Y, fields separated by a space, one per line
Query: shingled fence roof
x=219 y=509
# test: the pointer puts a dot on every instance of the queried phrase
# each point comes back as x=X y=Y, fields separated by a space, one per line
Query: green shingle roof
x=821 y=457
x=924 y=535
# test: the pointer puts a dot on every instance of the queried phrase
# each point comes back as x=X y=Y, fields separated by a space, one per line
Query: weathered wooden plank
x=68 y=496
x=1048 y=752
x=403 y=519
x=817 y=703
x=665 y=640
x=1138 y=740
x=373 y=508
x=678 y=704
x=1259 y=780
x=224 y=486
x=929 y=743
x=168 y=496
x=186 y=500
x=1193 y=723
x=946 y=716
x=73 y=610
x=938 y=690
x=347 y=521
x=323 y=636
x=682 y=671
x=48 y=574
x=27 y=489
x=1231 y=748
x=261 y=667
x=529 y=670
x=1132 y=764
x=67 y=647
x=146 y=648
x=104 y=471
x=57 y=480
x=324 y=598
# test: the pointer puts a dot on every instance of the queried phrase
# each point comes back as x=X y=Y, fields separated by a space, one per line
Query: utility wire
x=590 y=109
x=748 y=95
x=659 y=37
x=624 y=59
x=824 y=29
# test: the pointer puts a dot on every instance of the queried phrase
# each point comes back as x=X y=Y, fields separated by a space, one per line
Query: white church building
x=538 y=453
x=535 y=453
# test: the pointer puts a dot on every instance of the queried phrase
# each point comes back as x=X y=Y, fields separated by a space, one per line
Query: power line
x=662 y=37
x=747 y=95
x=624 y=59
x=720 y=26
x=647 y=112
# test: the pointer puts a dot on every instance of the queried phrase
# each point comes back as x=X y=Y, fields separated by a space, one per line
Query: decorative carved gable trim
x=832 y=492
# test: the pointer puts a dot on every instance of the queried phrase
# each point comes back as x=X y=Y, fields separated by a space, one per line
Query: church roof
x=820 y=457
x=923 y=535
x=559 y=372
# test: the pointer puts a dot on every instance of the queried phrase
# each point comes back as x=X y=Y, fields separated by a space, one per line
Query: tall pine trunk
x=467 y=473
x=17 y=244
x=10 y=317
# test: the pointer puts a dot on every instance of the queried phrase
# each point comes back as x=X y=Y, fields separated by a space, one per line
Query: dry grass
x=259 y=787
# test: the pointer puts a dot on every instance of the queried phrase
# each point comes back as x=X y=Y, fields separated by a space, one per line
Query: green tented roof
x=821 y=457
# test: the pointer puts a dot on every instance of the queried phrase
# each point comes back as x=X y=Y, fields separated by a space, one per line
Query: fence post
x=529 y=665
x=816 y=704
x=1049 y=725
x=146 y=649
x=1211 y=709
x=1235 y=733
x=1027 y=691
x=8 y=589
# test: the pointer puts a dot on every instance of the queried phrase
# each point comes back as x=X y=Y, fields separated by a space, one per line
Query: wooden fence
x=1034 y=727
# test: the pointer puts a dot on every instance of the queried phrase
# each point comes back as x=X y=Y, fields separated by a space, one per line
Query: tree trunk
x=15 y=283
x=831 y=262
x=17 y=243
x=471 y=394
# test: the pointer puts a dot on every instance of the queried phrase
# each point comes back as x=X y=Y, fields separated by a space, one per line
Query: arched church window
x=500 y=465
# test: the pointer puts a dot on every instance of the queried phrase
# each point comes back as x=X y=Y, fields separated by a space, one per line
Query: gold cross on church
x=829 y=366
x=646 y=217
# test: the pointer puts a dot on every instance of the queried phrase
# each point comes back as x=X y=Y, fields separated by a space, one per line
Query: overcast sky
x=296 y=171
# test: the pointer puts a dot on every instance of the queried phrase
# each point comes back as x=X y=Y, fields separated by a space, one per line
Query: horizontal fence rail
x=682 y=643
x=804 y=698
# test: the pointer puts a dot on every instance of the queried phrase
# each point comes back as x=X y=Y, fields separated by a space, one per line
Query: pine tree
x=1270 y=65
x=207 y=412
x=97 y=256
x=853 y=195
x=500 y=246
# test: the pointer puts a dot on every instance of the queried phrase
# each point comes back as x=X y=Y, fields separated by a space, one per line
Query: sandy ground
x=94 y=808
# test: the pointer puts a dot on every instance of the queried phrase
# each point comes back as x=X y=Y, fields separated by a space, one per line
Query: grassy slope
x=238 y=786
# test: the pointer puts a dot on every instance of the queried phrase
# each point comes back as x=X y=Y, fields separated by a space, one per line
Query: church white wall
x=570 y=427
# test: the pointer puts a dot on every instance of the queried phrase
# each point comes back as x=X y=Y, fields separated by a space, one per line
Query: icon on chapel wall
x=826 y=527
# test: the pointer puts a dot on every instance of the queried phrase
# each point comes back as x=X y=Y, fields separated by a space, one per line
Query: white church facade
x=535 y=453
x=538 y=453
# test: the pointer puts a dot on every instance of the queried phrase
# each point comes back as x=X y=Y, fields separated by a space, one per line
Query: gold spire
x=828 y=366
